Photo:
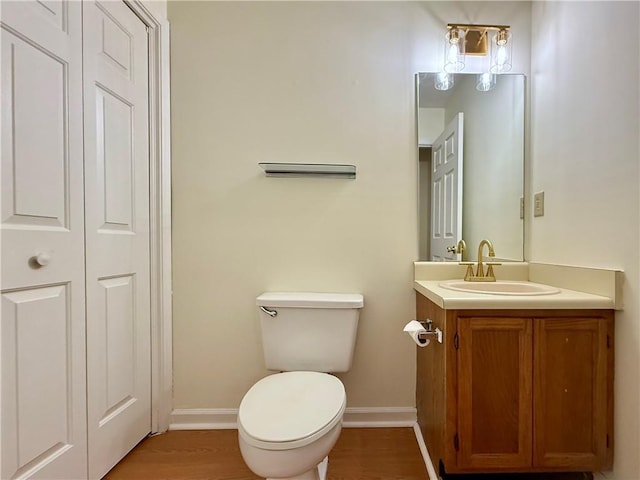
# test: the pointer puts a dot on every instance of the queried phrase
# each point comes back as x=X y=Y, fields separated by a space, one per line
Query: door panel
x=42 y=226
x=36 y=106
x=117 y=232
x=117 y=325
x=114 y=173
x=54 y=11
x=36 y=334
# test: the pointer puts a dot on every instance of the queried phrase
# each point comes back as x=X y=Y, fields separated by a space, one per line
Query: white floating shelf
x=309 y=170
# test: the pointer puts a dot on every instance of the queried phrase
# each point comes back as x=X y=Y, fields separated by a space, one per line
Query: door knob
x=42 y=259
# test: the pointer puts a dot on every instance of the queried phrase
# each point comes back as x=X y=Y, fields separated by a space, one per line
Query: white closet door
x=117 y=232
x=42 y=327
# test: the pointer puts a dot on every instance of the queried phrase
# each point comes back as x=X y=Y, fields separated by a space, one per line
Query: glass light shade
x=501 y=46
x=443 y=81
x=454 y=51
x=485 y=82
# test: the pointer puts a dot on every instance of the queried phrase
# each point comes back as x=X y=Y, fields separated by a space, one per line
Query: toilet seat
x=290 y=410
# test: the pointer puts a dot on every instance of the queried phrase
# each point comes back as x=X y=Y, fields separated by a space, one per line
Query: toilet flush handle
x=271 y=313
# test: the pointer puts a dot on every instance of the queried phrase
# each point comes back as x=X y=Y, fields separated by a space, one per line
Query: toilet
x=288 y=422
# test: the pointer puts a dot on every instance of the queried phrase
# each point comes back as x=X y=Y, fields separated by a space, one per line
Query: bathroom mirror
x=491 y=166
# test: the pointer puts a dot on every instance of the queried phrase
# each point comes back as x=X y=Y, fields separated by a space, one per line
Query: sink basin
x=500 y=287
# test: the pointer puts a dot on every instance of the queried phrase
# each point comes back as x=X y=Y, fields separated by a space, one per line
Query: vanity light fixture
x=492 y=42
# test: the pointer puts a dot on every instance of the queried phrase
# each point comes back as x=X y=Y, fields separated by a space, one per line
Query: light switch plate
x=538 y=204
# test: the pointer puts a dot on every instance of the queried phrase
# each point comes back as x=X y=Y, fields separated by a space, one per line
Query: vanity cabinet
x=517 y=391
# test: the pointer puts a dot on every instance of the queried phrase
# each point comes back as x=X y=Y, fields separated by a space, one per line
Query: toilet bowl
x=289 y=422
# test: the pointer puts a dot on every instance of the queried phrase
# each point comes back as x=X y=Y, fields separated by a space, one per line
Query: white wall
x=424 y=202
x=296 y=82
x=493 y=163
x=301 y=82
x=585 y=155
x=430 y=124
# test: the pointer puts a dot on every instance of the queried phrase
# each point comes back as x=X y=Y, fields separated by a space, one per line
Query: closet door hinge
x=456 y=341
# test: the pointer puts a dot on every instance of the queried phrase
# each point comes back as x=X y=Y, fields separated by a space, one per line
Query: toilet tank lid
x=310 y=300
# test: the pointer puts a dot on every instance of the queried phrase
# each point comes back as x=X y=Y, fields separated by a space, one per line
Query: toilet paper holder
x=430 y=332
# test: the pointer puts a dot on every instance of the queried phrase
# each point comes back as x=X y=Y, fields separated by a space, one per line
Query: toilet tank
x=309 y=331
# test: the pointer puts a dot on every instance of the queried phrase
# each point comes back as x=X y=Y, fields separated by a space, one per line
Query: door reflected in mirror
x=471 y=176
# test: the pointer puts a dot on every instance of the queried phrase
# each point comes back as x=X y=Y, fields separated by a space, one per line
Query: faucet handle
x=490 y=266
x=469 y=273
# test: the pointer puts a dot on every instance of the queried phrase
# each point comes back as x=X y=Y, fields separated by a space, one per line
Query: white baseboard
x=371 y=417
x=356 y=417
x=425 y=453
x=204 y=419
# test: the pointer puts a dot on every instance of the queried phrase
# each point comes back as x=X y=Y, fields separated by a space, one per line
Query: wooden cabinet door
x=494 y=393
x=570 y=393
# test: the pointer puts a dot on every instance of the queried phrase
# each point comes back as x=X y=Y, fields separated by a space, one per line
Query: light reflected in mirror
x=490 y=148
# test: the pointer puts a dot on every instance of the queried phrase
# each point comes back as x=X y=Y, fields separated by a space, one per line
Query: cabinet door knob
x=42 y=259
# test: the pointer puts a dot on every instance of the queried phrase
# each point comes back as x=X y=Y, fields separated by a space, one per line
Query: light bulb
x=501 y=46
x=501 y=56
x=486 y=81
x=444 y=81
x=454 y=54
x=454 y=51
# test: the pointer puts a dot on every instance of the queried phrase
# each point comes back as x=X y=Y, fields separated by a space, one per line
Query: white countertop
x=565 y=299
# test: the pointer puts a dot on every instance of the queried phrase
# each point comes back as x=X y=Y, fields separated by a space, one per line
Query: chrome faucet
x=480 y=275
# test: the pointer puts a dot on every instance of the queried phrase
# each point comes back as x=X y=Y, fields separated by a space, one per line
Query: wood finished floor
x=360 y=454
